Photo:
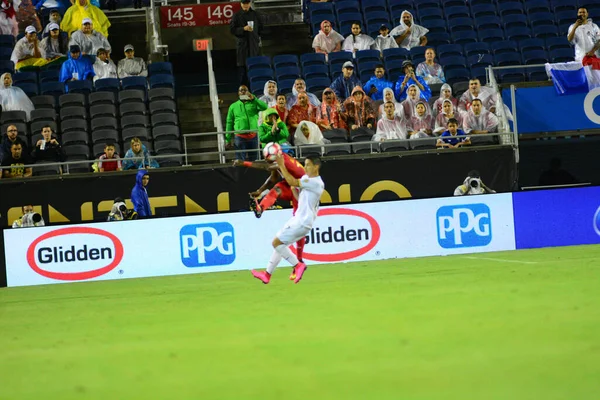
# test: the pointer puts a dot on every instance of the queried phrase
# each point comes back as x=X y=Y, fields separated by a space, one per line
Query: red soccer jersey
x=293 y=166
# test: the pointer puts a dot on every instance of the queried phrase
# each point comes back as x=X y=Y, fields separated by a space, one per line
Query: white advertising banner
x=238 y=241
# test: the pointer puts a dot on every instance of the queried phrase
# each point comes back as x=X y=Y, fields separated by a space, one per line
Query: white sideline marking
x=501 y=260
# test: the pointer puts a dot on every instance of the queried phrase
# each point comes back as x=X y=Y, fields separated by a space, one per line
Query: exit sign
x=202 y=44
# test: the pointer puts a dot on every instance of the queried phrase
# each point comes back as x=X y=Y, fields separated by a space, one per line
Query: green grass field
x=511 y=325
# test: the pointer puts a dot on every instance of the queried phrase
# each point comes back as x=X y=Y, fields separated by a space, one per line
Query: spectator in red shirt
x=109 y=161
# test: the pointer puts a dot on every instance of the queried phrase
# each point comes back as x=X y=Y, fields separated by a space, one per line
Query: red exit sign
x=202 y=44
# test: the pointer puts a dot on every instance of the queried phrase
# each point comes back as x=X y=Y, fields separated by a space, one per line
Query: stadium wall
x=357 y=232
x=181 y=191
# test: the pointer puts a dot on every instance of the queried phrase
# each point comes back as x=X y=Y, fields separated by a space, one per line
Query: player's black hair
x=316 y=160
x=379 y=66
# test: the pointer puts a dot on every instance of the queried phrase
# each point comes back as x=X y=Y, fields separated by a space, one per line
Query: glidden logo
x=39 y=256
x=344 y=235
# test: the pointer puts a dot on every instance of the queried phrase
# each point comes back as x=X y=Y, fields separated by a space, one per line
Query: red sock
x=300 y=248
x=268 y=200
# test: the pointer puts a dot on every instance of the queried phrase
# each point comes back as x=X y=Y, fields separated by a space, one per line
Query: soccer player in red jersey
x=280 y=189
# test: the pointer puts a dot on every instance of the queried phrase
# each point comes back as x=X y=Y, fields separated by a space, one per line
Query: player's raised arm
x=286 y=174
x=256 y=165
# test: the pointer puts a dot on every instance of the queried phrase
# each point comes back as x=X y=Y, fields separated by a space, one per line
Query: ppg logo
x=467 y=225
x=207 y=245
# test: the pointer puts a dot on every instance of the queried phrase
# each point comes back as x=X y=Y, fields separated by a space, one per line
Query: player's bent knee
x=276 y=242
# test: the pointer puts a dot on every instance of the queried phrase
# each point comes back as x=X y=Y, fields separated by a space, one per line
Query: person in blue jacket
x=139 y=194
x=409 y=78
x=77 y=67
x=344 y=84
x=375 y=86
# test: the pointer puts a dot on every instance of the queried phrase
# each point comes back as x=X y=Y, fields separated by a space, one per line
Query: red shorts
x=286 y=194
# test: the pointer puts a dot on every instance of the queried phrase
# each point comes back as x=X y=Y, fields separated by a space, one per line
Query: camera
x=475 y=183
x=31 y=219
x=579 y=17
x=244 y=97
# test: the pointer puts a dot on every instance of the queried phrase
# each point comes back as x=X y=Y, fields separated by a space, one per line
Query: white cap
x=30 y=29
x=52 y=26
x=86 y=21
x=128 y=47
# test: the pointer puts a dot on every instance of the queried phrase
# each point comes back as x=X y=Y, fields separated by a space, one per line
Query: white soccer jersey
x=311 y=190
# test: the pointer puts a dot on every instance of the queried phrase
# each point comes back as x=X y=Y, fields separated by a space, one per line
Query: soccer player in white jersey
x=311 y=188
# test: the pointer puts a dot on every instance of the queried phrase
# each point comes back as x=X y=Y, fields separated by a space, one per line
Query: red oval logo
x=75 y=276
x=348 y=255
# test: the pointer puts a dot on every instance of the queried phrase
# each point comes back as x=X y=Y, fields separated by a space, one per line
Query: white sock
x=286 y=253
x=273 y=262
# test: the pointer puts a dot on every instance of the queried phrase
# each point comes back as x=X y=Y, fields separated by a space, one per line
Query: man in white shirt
x=584 y=35
x=311 y=188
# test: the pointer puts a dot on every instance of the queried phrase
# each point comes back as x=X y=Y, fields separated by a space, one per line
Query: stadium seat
x=535 y=6
x=435 y=25
x=105 y=123
x=537 y=74
x=423 y=144
x=288 y=73
x=107 y=84
x=418 y=52
x=541 y=18
x=464 y=37
x=457 y=75
x=457 y=12
x=488 y=22
x=317 y=84
x=132 y=96
x=506 y=46
x=165 y=132
x=349 y=17
x=532 y=44
x=167 y=147
x=260 y=73
x=560 y=42
x=367 y=55
x=511 y=75
x=42 y=114
x=285 y=86
x=320 y=8
x=510 y=7
x=491 y=35
x=49 y=76
x=162 y=106
x=36 y=127
x=394 y=145
x=394 y=69
x=74 y=137
x=561 y=55
x=366 y=70
x=564 y=5
x=73 y=112
x=338 y=150
x=48 y=102
x=477 y=48
x=160 y=68
x=78 y=152
x=7 y=66
x=75 y=125
x=400 y=5
x=564 y=17
x=103 y=110
x=518 y=34
x=161 y=94
x=138 y=82
x=457 y=24
x=483 y=10
x=453 y=62
x=428 y=15
x=72 y=100
x=138 y=132
x=377 y=17
x=480 y=60
x=479 y=73
x=101 y=98
x=535 y=57
x=395 y=54
x=25 y=77
x=133 y=121
x=505 y=59
x=81 y=86
x=258 y=62
x=425 y=4
x=7 y=41
x=286 y=60
x=312 y=59
x=339 y=57
x=373 y=29
x=346 y=7
x=53 y=88
x=453 y=3
x=257 y=85
x=30 y=89
x=514 y=21
x=545 y=31
x=316 y=71
x=438 y=38
x=13 y=116
x=449 y=50
x=105 y=136
x=164 y=119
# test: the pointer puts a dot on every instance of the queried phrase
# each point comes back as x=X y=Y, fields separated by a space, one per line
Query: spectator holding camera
x=473 y=185
x=120 y=212
x=47 y=149
x=584 y=35
x=29 y=218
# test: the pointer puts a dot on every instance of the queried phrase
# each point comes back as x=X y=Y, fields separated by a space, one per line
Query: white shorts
x=292 y=232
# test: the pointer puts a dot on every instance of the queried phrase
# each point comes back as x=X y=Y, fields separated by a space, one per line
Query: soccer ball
x=271 y=150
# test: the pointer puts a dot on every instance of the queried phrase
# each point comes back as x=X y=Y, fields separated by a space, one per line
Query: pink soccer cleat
x=293 y=275
x=299 y=269
x=263 y=276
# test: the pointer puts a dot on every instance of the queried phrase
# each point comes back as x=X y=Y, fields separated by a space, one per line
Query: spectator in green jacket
x=273 y=129
x=243 y=116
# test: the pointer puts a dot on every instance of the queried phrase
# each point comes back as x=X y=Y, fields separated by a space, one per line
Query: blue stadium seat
x=453 y=3
x=258 y=62
x=488 y=22
x=399 y=5
x=518 y=34
x=7 y=66
x=287 y=73
x=464 y=37
x=135 y=82
x=317 y=84
x=564 y=5
x=366 y=70
x=395 y=54
x=377 y=17
x=483 y=10
x=160 y=68
x=394 y=69
x=107 y=85
x=535 y=6
x=545 y=31
x=84 y=87
x=49 y=76
x=255 y=73
x=510 y=7
x=511 y=75
x=374 y=5
x=541 y=18
x=514 y=21
x=535 y=57
x=367 y=55
x=532 y=44
x=285 y=60
x=344 y=7
x=257 y=86
x=438 y=38
x=449 y=50
x=435 y=25
x=430 y=14
x=457 y=75
x=335 y=70
x=346 y=28
x=593 y=7
x=424 y=4
x=418 y=52
x=478 y=2
x=30 y=89
x=505 y=59
x=457 y=12
x=479 y=73
x=161 y=81
x=461 y=24
x=339 y=57
x=506 y=46
x=316 y=71
x=54 y=88
x=5 y=53
x=480 y=60
x=537 y=74
x=491 y=35
x=349 y=17
x=312 y=59
x=559 y=42
x=7 y=41
x=477 y=48
x=453 y=62
x=373 y=29
x=561 y=55
x=25 y=77
x=564 y=17
x=319 y=8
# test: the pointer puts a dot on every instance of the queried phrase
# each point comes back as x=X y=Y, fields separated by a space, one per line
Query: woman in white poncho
x=308 y=133
x=13 y=98
x=270 y=97
x=327 y=40
x=388 y=95
x=357 y=40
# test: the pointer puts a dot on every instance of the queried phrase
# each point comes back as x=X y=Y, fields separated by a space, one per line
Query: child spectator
x=384 y=40
x=446 y=94
x=421 y=123
x=109 y=161
x=453 y=137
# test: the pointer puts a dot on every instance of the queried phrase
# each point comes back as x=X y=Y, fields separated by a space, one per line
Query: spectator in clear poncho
x=478 y=120
x=421 y=122
x=327 y=40
x=485 y=94
x=448 y=113
x=390 y=126
x=308 y=133
x=357 y=40
x=359 y=114
x=131 y=65
x=388 y=96
x=445 y=94
x=432 y=72
x=330 y=112
x=8 y=19
x=412 y=99
x=269 y=97
x=301 y=111
x=89 y=39
x=408 y=34
x=300 y=86
x=384 y=40
x=13 y=98
x=104 y=67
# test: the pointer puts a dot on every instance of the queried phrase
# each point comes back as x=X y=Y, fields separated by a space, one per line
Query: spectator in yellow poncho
x=83 y=9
